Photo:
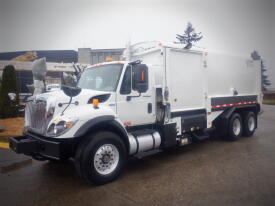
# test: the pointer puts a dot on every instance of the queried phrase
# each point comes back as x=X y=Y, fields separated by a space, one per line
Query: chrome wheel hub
x=106 y=159
x=236 y=127
x=251 y=123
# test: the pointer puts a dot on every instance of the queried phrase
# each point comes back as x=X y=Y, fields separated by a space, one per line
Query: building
x=58 y=61
x=95 y=56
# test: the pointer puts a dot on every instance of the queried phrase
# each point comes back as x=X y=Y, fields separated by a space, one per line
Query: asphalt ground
x=211 y=172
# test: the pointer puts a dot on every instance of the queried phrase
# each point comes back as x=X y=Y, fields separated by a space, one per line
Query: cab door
x=135 y=105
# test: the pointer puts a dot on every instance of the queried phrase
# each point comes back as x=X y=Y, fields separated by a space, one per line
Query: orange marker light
x=109 y=59
x=95 y=102
x=69 y=124
x=142 y=76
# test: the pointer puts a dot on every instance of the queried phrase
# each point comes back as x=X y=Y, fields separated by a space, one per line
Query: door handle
x=149 y=108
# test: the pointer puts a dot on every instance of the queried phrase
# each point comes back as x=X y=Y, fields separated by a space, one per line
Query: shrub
x=8 y=85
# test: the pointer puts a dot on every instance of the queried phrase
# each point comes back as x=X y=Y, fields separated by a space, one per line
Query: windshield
x=102 y=78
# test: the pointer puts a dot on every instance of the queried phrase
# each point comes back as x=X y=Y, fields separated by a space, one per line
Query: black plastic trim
x=102 y=121
x=216 y=101
x=168 y=135
x=90 y=123
x=101 y=98
x=232 y=100
x=50 y=148
x=188 y=113
x=140 y=127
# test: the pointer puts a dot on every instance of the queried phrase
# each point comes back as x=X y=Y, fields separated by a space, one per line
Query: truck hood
x=54 y=98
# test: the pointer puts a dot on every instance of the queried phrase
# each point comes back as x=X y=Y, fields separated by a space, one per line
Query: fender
x=103 y=122
x=221 y=122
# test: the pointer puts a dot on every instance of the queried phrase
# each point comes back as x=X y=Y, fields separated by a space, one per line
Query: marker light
x=142 y=76
x=69 y=124
x=109 y=59
x=95 y=103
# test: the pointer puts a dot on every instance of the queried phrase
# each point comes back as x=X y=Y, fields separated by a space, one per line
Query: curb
x=4 y=142
x=4 y=145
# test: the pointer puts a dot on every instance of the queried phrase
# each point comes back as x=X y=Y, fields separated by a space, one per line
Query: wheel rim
x=236 y=127
x=251 y=123
x=106 y=159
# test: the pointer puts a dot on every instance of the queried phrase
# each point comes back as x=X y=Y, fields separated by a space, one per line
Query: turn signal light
x=95 y=103
x=69 y=124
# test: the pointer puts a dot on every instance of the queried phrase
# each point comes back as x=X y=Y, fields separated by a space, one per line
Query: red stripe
x=234 y=104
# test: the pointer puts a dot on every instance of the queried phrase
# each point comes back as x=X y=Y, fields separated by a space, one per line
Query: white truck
x=163 y=96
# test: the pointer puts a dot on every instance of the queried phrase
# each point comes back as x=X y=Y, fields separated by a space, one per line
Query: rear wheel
x=249 y=125
x=102 y=159
x=234 y=127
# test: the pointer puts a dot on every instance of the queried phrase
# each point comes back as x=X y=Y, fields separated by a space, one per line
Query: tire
x=235 y=127
x=249 y=124
x=101 y=158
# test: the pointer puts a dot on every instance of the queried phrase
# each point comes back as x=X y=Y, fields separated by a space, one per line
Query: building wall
x=84 y=55
x=25 y=77
x=89 y=56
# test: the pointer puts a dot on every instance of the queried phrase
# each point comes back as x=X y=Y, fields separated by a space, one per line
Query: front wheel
x=102 y=159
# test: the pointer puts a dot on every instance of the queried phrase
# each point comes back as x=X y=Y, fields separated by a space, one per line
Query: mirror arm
x=128 y=98
x=62 y=113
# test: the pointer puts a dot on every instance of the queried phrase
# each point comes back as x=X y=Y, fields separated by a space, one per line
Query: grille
x=35 y=116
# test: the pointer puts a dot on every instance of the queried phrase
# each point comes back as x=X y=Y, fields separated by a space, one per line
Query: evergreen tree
x=265 y=82
x=189 y=36
x=8 y=85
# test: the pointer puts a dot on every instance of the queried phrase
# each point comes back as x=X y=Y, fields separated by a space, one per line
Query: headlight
x=59 y=127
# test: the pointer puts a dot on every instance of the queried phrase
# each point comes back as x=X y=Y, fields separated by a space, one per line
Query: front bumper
x=41 y=147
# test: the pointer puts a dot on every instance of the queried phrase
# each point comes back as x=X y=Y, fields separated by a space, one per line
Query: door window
x=126 y=82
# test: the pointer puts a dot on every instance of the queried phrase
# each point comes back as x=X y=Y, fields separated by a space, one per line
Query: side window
x=140 y=78
x=126 y=82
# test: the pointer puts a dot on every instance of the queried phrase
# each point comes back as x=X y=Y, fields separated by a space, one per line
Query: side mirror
x=71 y=91
x=12 y=96
x=69 y=79
x=140 y=78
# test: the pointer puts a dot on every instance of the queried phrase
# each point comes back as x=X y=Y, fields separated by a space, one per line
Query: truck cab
x=128 y=87
x=163 y=96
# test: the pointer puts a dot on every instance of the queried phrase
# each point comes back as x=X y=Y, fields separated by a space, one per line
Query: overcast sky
x=238 y=26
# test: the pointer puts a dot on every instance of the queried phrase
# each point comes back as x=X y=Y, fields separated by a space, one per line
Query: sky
x=233 y=26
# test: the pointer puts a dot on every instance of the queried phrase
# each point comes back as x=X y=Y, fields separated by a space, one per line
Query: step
x=200 y=136
x=145 y=154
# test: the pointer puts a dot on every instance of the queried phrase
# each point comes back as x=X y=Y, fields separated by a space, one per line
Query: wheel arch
x=103 y=123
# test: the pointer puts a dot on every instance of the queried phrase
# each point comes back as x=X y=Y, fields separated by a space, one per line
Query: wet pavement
x=212 y=172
